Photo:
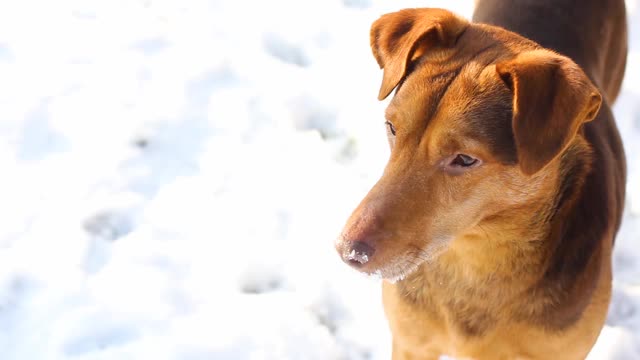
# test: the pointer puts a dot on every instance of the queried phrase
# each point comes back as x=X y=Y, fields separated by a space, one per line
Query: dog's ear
x=552 y=98
x=397 y=38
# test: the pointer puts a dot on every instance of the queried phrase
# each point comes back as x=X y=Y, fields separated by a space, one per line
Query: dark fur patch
x=578 y=230
x=574 y=164
x=490 y=121
x=401 y=29
x=470 y=321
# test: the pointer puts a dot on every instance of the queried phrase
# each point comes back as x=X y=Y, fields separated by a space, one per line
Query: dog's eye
x=392 y=129
x=462 y=160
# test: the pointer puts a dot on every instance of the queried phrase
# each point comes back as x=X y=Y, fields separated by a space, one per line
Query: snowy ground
x=174 y=174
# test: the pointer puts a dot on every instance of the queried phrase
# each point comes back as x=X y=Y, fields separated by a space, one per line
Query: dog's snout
x=359 y=253
x=356 y=253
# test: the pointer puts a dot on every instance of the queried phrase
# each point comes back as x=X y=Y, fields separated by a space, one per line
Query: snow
x=359 y=257
x=174 y=175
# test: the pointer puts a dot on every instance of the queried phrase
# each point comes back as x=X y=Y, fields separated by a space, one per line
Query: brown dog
x=495 y=217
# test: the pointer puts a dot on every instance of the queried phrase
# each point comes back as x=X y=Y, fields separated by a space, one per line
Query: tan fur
x=499 y=260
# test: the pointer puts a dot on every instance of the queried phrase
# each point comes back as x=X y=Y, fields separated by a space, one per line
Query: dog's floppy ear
x=396 y=37
x=552 y=98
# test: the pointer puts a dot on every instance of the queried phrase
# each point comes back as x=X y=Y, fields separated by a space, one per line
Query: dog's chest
x=462 y=309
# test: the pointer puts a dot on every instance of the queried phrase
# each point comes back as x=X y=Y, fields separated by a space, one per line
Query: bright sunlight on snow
x=174 y=174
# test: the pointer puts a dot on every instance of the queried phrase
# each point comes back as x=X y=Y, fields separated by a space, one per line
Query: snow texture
x=174 y=174
x=357 y=256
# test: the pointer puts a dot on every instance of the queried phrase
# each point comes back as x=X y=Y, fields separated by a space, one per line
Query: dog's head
x=476 y=127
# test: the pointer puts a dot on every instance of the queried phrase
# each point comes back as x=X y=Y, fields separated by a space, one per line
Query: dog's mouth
x=409 y=263
x=397 y=270
x=392 y=268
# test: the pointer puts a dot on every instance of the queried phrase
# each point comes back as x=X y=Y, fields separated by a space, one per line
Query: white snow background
x=174 y=173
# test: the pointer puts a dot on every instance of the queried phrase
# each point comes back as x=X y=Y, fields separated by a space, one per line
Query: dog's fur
x=509 y=258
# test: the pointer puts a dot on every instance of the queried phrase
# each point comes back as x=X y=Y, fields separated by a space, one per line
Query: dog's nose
x=357 y=253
